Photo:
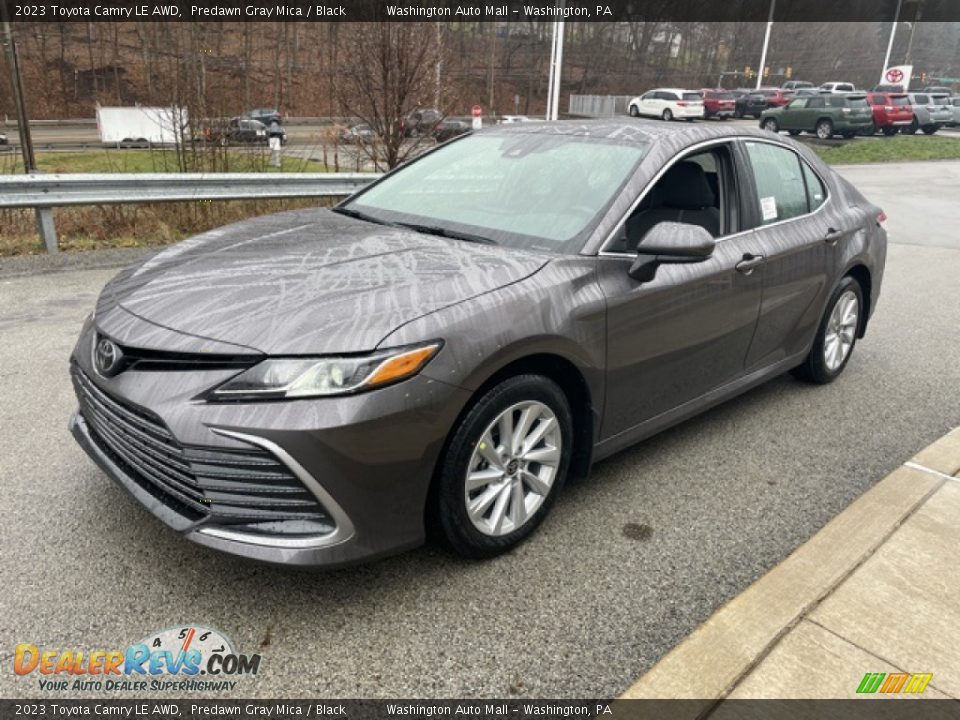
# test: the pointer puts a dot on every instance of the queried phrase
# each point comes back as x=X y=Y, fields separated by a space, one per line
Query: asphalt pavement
x=629 y=562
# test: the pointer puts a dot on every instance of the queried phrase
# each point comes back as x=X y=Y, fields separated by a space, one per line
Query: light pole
x=893 y=32
x=766 y=43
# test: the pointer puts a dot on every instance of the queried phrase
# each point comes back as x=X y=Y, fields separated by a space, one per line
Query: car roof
x=631 y=131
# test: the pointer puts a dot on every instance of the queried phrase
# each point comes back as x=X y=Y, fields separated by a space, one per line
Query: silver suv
x=930 y=113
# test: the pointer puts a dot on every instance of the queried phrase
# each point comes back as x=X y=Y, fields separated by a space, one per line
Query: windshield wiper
x=361 y=216
x=444 y=232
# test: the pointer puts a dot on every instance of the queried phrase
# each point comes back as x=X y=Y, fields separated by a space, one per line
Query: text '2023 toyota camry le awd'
x=448 y=344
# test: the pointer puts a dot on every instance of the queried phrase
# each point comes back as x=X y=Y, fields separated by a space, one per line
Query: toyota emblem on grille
x=107 y=357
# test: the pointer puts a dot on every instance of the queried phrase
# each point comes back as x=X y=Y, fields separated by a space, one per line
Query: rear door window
x=778 y=182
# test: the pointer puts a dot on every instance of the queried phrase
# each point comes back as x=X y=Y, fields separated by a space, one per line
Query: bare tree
x=395 y=77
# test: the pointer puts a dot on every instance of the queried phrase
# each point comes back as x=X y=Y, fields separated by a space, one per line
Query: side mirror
x=670 y=242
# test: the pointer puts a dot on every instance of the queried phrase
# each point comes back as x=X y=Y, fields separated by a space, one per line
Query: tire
x=667 y=115
x=912 y=128
x=634 y=112
x=824 y=129
x=849 y=135
x=889 y=131
x=482 y=535
x=929 y=129
x=770 y=125
x=793 y=133
x=821 y=365
x=738 y=113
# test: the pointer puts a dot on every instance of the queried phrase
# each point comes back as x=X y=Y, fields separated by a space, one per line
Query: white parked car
x=838 y=87
x=667 y=104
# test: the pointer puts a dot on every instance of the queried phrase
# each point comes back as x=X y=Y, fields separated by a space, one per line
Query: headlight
x=317 y=377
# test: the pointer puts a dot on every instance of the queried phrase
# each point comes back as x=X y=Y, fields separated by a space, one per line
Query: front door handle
x=749 y=262
x=832 y=236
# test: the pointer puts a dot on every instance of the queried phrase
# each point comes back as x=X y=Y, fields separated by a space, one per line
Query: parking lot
x=627 y=564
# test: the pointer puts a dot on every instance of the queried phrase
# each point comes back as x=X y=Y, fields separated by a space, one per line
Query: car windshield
x=692 y=97
x=536 y=191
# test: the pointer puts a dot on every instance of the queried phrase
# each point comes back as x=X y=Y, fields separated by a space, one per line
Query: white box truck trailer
x=141 y=126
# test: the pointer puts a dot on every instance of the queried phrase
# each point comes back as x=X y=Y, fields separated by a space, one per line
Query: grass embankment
x=111 y=226
x=148 y=161
x=899 y=148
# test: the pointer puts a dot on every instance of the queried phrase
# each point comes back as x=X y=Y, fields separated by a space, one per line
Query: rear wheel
x=824 y=129
x=770 y=125
x=836 y=336
x=505 y=465
x=667 y=115
x=794 y=132
x=912 y=128
x=889 y=131
x=929 y=129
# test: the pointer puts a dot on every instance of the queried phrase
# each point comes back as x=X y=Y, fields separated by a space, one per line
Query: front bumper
x=368 y=459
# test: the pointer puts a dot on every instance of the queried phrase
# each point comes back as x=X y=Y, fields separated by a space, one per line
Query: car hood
x=303 y=282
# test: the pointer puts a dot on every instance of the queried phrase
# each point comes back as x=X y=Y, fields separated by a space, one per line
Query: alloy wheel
x=841 y=330
x=824 y=129
x=512 y=468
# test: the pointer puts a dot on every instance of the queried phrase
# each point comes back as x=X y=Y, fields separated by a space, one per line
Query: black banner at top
x=481 y=11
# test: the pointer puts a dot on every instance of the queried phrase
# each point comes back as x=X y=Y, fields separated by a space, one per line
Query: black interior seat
x=683 y=195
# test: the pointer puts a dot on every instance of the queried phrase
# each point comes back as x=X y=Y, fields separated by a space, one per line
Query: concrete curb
x=710 y=662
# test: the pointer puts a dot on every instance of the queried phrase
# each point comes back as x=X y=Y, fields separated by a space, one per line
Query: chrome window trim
x=342 y=531
x=697 y=146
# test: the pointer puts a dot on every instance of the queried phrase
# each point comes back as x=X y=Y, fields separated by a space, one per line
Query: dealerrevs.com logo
x=186 y=658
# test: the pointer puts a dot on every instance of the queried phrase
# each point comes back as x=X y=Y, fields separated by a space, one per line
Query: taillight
x=682 y=103
x=882 y=219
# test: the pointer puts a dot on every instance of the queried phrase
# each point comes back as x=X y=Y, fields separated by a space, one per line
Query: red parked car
x=891 y=111
x=718 y=103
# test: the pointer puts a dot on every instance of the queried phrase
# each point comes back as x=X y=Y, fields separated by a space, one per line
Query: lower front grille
x=248 y=490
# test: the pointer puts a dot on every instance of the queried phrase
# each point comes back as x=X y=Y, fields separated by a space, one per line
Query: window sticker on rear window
x=768 y=207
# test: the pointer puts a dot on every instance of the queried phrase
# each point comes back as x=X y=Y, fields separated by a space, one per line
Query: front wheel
x=929 y=129
x=889 y=131
x=770 y=125
x=836 y=335
x=634 y=112
x=505 y=465
x=912 y=128
x=667 y=115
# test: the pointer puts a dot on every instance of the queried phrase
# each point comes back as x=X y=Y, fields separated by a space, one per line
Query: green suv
x=825 y=115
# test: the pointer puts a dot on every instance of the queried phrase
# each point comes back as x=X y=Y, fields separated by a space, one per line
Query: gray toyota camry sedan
x=447 y=346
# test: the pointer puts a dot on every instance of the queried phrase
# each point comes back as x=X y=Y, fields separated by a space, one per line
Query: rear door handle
x=749 y=262
x=833 y=235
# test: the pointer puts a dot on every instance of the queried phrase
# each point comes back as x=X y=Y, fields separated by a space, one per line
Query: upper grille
x=248 y=489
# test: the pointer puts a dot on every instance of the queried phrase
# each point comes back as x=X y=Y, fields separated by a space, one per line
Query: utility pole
x=26 y=142
x=44 y=215
x=766 y=43
x=893 y=33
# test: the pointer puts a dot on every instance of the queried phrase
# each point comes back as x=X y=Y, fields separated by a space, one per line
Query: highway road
x=628 y=563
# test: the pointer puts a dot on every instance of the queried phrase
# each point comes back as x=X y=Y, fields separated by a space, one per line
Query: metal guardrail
x=45 y=192
x=600 y=106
